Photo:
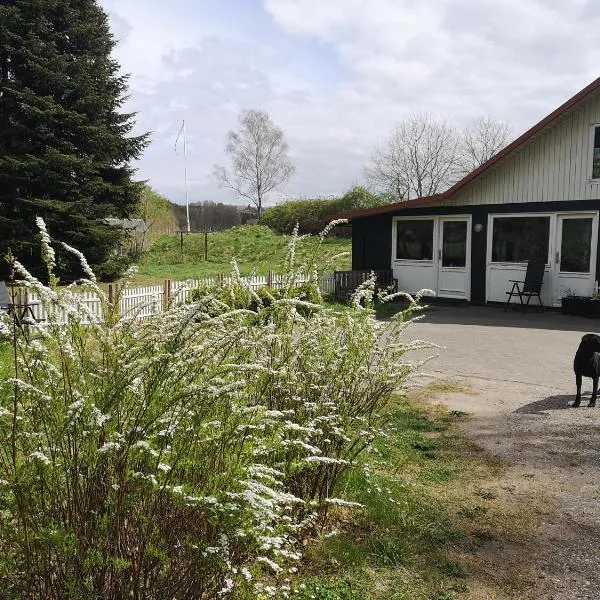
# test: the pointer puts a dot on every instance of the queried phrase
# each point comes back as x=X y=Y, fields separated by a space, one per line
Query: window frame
x=560 y=219
x=395 y=240
x=591 y=178
x=490 y=240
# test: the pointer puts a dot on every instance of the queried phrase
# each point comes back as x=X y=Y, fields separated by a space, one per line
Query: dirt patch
x=549 y=499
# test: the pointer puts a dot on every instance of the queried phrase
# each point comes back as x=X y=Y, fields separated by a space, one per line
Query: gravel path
x=520 y=367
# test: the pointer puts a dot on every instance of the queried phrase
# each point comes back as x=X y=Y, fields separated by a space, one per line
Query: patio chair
x=532 y=286
x=22 y=313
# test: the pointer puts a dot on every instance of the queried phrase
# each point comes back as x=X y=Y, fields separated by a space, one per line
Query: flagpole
x=187 y=200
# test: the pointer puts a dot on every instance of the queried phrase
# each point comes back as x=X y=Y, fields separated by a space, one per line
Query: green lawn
x=255 y=247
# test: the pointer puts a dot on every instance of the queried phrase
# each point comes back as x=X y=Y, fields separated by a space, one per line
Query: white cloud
x=365 y=65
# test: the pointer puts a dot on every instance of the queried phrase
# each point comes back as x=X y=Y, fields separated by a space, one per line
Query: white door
x=414 y=251
x=453 y=253
x=433 y=253
x=575 y=255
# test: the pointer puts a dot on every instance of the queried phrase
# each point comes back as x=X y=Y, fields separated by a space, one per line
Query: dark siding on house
x=479 y=215
x=372 y=242
x=372 y=235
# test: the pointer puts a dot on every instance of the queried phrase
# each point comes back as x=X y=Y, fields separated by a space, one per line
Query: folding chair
x=532 y=286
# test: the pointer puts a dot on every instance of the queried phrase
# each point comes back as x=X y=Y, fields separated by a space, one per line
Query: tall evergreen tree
x=65 y=145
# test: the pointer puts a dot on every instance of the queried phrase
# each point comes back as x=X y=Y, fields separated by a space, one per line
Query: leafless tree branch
x=482 y=138
x=419 y=159
x=425 y=156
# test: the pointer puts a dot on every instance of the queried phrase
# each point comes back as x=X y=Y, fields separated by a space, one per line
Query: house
x=537 y=199
x=135 y=239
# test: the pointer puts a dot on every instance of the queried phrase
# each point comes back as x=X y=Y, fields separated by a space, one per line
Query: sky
x=337 y=76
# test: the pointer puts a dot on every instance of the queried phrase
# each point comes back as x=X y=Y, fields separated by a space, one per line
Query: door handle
x=557 y=257
x=439 y=255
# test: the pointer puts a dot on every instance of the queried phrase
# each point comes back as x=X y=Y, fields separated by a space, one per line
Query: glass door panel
x=454 y=244
x=576 y=243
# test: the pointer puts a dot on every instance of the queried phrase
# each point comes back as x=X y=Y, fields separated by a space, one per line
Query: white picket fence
x=142 y=302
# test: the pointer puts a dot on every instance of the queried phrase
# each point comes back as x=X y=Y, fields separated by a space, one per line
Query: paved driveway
x=534 y=349
x=520 y=368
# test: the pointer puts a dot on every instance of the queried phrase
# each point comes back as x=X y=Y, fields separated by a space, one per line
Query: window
x=414 y=239
x=575 y=245
x=520 y=239
x=454 y=245
x=596 y=154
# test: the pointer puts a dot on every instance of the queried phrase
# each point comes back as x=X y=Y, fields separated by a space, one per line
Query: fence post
x=270 y=279
x=221 y=279
x=166 y=293
x=113 y=297
x=20 y=296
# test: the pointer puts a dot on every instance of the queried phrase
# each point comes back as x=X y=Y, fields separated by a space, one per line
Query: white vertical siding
x=555 y=165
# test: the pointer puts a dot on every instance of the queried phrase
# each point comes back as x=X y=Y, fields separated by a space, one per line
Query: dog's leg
x=594 y=392
x=578 y=379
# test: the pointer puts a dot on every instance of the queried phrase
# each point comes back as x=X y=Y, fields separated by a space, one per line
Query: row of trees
x=422 y=156
x=425 y=156
x=163 y=216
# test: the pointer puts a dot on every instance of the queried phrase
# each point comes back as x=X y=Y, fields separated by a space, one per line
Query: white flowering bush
x=185 y=455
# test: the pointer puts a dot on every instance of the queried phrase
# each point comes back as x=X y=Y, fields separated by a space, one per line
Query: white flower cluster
x=219 y=429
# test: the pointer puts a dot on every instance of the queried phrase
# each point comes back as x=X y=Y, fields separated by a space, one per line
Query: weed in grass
x=486 y=494
x=483 y=535
x=444 y=532
x=438 y=474
x=321 y=588
x=344 y=550
x=446 y=386
x=446 y=595
x=458 y=414
x=453 y=569
x=389 y=550
x=472 y=513
x=425 y=446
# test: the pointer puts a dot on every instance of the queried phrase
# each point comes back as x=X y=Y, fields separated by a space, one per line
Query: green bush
x=312 y=215
x=187 y=454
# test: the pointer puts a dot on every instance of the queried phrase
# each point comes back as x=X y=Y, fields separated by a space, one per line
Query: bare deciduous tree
x=481 y=139
x=425 y=156
x=419 y=159
x=259 y=158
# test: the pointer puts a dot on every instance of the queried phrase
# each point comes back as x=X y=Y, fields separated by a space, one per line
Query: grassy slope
x=431 y=505
x=256 y=248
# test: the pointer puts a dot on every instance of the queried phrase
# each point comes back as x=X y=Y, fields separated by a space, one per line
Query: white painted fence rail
x=141 y=302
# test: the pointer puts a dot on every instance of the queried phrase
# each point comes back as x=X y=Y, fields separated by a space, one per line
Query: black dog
x=587 y=364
